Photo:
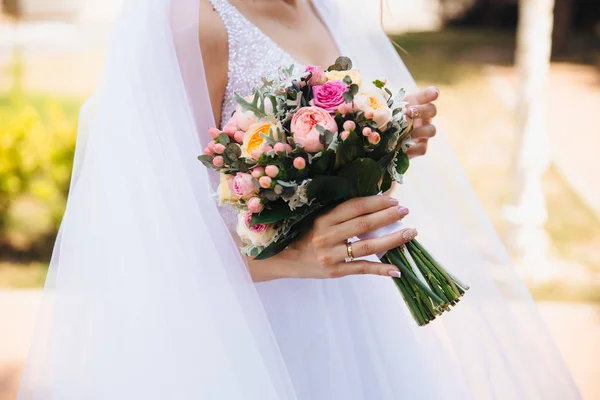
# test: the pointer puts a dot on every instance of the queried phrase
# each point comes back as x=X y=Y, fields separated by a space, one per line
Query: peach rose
x=354 y=74
x=304 y=129
x=373 y=103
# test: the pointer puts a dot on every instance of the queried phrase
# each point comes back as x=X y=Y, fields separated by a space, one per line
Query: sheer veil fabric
x=147 y=296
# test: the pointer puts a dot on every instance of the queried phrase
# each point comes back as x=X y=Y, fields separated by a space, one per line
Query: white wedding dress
x=148 y=298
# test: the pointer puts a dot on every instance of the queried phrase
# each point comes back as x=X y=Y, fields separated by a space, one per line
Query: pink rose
x=258 y=228
x=255 y=205
x=329 y=95
x=318 y=77
x=243 y=186
x=304 y=129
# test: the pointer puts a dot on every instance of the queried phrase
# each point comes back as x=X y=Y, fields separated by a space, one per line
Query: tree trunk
x=528 y=213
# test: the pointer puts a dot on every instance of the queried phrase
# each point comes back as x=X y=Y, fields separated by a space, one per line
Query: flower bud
x=272 y=171
x=257 y=172
x=264 y=182
x=219 y=148
x=349 y=126
x=374 y=138
x=214 y=132
x=366 y=131
x=279 y=148
x=218 y=161
x=239 y=136
x=299 y=163
x=344 y=135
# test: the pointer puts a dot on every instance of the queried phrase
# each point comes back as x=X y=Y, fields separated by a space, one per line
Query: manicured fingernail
x=414 y=112
x=394 y=202
x=436 y=90
x=409 y=234
x=402 y=211
x=394 y=273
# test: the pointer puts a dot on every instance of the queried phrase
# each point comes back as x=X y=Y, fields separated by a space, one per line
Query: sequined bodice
x=252 y=55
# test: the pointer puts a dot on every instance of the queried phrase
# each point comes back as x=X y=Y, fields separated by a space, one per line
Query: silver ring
x=350 y=257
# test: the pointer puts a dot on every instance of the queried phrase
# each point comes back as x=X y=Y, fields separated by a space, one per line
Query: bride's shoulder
x=213 y=41
x=210 y=26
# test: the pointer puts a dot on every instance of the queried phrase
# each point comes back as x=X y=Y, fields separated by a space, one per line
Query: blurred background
x=520 y=88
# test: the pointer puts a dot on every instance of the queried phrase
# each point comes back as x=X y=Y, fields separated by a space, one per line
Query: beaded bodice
x=252 y=55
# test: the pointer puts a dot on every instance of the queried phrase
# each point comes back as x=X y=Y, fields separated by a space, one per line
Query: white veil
x=147 y=296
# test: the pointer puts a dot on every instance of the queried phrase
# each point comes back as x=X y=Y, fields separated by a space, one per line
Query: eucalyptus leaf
x=223 y=139
x=233 y=151
x=206 y=160
x=344 y=62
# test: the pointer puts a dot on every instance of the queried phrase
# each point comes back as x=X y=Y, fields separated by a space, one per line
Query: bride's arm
x=213 y=44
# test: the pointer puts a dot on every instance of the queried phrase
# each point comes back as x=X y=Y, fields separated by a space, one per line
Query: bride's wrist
x=282 y=265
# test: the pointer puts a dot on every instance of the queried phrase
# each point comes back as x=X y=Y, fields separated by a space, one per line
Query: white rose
x=258 y=235
x=373 y=100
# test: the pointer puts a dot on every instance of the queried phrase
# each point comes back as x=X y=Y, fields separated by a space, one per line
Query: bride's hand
x=321 y=252
x=422 y=109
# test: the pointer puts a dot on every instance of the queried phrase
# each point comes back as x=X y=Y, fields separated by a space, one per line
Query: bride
x=147 y=296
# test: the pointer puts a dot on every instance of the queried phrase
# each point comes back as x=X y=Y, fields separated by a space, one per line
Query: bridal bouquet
x=304 y=143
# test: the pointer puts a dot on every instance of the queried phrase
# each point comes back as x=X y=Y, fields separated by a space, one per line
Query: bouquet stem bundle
x=427 y=288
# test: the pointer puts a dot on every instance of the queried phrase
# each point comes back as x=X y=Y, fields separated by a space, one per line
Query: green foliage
x=37 y=142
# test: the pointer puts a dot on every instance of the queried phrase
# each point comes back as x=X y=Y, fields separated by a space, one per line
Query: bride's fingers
x=424 y=96
x=426 y=131
x=382 y=244
x=361 y=267
x=356 y=207
x=424 y=112
x=418 y=149
x=366 y=223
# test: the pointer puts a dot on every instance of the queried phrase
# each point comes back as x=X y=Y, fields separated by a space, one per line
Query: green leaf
x=348 y=150
x=223 y=139
x=402 y=162
x=322 y=165
x=344 y=62
x=275 y=247
x=206 y=160
x=353 y=89
x=347 y=80
x=364 y=176
x=279 y=211
x=378 y=83
x=386 y=183
x=328 y=188
x=335 y=67
x=233 y=151
x=348 y=97
x=257 y=106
